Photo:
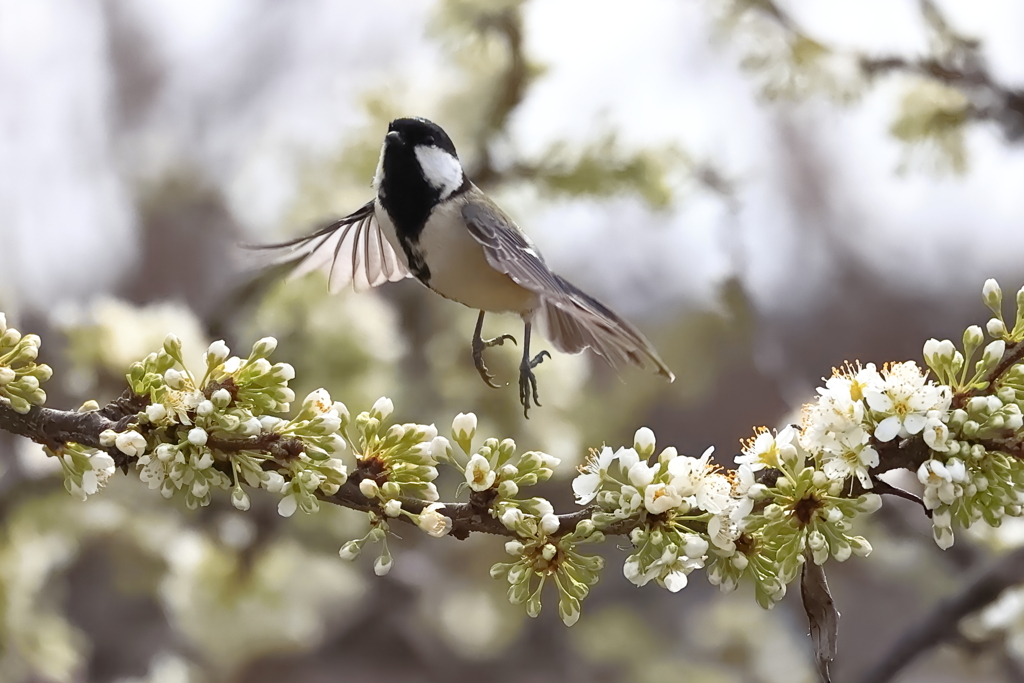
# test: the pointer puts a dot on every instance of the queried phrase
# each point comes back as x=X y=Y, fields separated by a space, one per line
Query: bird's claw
x=478 y=356
x=528 y=382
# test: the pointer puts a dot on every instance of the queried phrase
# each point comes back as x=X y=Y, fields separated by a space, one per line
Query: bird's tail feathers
x=579 y=321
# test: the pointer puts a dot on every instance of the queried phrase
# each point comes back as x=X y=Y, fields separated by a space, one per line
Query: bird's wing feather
x=352 y=250
x=573 y=319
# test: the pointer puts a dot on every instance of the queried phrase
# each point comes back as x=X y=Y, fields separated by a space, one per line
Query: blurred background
x=766 y=188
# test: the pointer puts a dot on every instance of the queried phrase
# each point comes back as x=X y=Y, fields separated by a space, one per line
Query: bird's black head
x=418 y=168
x=417 y=131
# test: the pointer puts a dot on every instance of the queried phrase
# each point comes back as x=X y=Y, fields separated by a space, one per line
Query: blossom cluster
x=20 y=375
x=792 y=498
x=542 y=554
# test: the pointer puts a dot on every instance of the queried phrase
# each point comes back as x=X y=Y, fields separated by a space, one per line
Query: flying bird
x=430 y=222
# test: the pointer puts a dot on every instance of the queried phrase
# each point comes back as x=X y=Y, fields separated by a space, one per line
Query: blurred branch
x=955 y=61
x=940 y=625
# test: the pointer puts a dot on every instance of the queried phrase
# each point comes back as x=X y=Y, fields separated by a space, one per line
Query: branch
x=941 y=623
x=54 y=428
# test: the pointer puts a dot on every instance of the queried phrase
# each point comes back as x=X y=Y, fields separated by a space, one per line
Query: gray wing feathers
x=573 y=320
x=352 y=251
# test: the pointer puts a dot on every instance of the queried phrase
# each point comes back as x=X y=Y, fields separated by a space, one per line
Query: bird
x=428 y=221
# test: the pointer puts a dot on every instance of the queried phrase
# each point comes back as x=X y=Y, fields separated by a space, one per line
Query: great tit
x=430 y=222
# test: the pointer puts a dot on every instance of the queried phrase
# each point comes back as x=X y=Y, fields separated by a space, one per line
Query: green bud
x=172 y=346
x=263 y=348
x=518 y=592
x=996 y=328
x=993 y=296
x=10 y=337
x=19 y=404
x=993 y=353
x=533 y=605
x=973 y=338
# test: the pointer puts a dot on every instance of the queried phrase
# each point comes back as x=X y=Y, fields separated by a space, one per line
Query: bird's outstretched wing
x=573 y=319
x=350 y=250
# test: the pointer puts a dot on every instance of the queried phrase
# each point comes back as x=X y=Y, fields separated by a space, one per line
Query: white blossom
x=659 y=498
x=479 y=474
x=287 y=506
x=433 y=522
x=904 y=401
x=698 y=478
x=768 y=450
x=131 y=443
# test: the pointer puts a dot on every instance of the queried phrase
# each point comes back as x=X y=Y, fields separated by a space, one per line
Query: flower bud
x=549 y=523
x=263 y=348
x=644 y=442
x=217 y=353
x=221 y=398
x=382 y=565
x=393 y=507
x=508 y=489
x=350 y=550
x=514 y=548
x=172 y=345
x=197 y=436
x=10 y=337
x=994 y=352
x=369 y=488
x=869 y=502
x=973 y=337
x=156 y=412
x=382 y=408
x=464 y=429
x=7 y=375
x=995 y=328
x=205 y=408
x=511 y=517
x=173 y=378
x=992 y=294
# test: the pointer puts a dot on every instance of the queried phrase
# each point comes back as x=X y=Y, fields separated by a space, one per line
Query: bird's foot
x=528 y=382
x=478 y=356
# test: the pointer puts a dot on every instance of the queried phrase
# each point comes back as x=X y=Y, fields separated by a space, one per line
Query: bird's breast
x=453 y=263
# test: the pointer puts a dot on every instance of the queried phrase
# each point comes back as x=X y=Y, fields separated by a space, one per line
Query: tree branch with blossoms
x=785 y=509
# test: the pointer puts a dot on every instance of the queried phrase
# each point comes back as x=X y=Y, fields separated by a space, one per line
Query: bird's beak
x=393 y=137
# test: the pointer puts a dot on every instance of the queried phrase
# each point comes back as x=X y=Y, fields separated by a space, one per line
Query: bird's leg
x=479 y=344
x=527 y=380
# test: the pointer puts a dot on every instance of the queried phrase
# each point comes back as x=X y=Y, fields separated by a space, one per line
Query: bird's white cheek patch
x=440 y=169
x=378 y=175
